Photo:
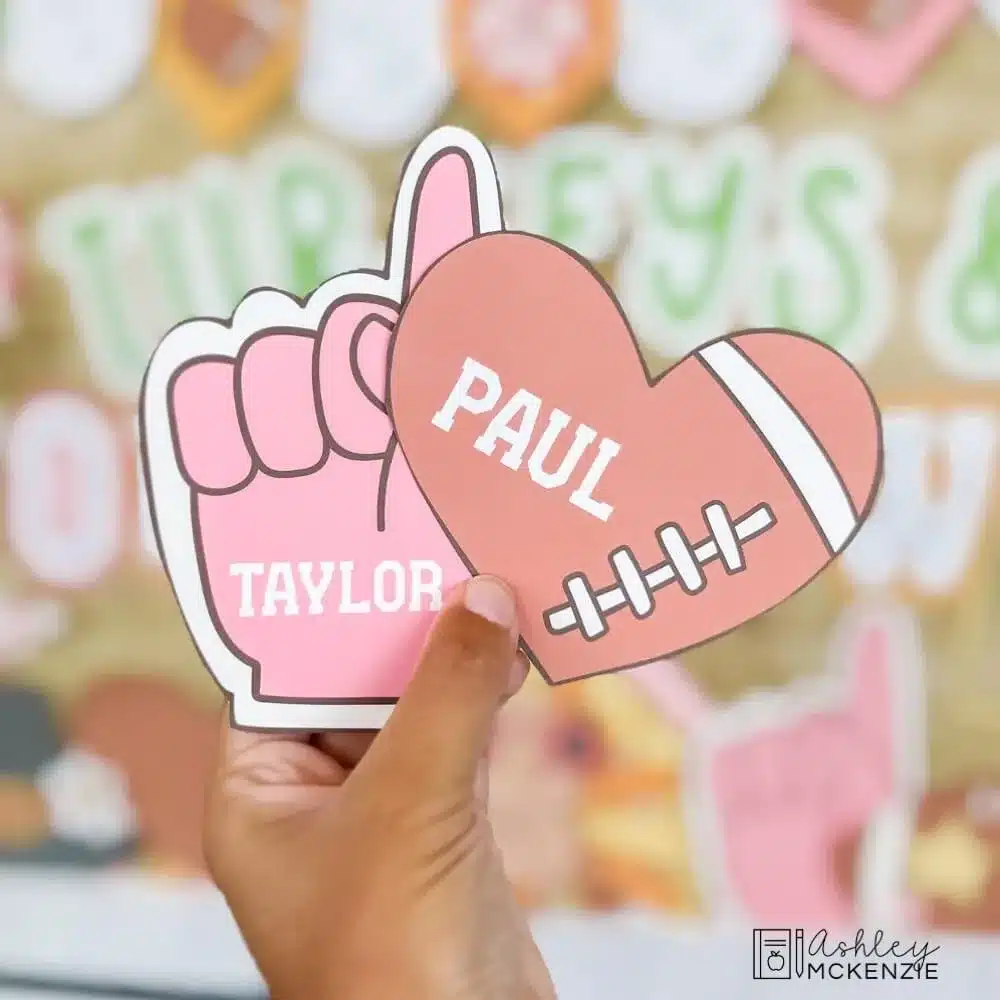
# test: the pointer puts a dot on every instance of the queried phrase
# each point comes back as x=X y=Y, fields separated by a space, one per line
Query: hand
x=363 y=866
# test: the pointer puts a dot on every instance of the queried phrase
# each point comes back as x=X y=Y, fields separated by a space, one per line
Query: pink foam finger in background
x=788 y=793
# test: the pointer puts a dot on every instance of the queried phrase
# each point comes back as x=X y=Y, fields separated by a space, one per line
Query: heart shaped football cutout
x=636 y=518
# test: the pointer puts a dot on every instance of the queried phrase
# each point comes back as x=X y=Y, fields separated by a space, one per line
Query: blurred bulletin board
x=159 y=160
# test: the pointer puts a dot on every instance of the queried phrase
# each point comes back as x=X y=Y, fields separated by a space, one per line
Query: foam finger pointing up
x=351 y=374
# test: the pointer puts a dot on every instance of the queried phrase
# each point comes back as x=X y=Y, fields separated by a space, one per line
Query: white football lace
x=587 y=609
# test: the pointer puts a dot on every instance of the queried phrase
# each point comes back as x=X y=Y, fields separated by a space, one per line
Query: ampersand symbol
x=975 y=299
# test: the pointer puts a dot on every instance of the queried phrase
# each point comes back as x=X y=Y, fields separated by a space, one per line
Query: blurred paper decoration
x=527 y=65
x=585 y=798
x=72 y=59
x=11 y=268
x=535 y=790
x=58 y=806
x=699 y=62
x=991 y=11
x=87 y=800
x=783 y=779
x=229 y=62
x=27 y=626
x=634 y=828
x=946 y=872
x=873 y=47
x=374 y=73
x=164 y=743
x=954 y=859
x=959 y=297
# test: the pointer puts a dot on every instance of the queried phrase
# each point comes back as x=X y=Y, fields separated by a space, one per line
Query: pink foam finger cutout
x=348 y=363
x=211 y=450
x=306 y=561
x=275 y=375
x=370 y=356
x=445 y=216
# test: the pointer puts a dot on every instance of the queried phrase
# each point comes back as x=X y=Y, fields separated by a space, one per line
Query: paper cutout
x=374 y=73
x=87 y=800
x=11 y=269
x=699 y=63
x=27 y=627
x=571 y=186
x=926 y=530
x=683 y=278
x=228 y=62
x=230 y=432
x=629 y=545
x=73 y=60
x=536 y=741
x=954 y=858
x=528 y=65
x=670 y=688
x=605 y=826
x=875 y=48
x=127 y=721
x=29 y=737
x=990 y=9
x=959 y=298
x=781 y=778
x=137 y=260
x=64 y=489
x=828 y=271
x=47 y=816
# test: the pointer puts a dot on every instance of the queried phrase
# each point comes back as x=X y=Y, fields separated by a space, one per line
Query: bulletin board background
x=591 y=786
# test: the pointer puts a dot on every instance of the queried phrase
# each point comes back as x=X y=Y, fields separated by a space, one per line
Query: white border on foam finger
x=170 y=499
x=760 y=711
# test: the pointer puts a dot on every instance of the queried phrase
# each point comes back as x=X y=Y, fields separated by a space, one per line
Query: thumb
x=440 y=730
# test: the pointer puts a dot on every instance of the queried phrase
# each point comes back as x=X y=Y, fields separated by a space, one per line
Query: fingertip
x=519 y=670
x=493 y=599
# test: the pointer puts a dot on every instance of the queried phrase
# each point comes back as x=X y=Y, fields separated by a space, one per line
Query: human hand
x=362 y=865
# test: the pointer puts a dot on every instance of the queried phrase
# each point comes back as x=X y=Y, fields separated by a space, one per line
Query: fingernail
x=490 y=599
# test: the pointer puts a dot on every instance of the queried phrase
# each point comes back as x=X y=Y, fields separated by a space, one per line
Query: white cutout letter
x=316 y=592
x=348 y=606
x=500 y=429
x=461 y=399
x=280 y=587
x=582 y=496
x=246 y=572
x=425 y=578
x=558 y=422
x=396 y=570
x=912 y=532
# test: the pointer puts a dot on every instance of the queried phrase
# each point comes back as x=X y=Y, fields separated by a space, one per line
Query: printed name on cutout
x=929 y=540
x=527 y=407
x=393 y=587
